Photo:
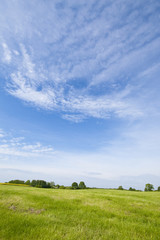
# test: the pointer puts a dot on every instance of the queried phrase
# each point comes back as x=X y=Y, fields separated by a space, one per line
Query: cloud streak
x=135 y=153
x=16 y=146
x=83 y=60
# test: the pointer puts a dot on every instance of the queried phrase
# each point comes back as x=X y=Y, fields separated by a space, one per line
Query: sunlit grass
x=14 y=184
x=33 y=213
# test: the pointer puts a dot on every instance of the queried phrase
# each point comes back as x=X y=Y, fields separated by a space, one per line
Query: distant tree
x=120 y=188
x=34 y=183
x=62 y=187
x=41 y=183
x=48 y=185
x=28 y=182
x=57 y=186
x=75 y=185
x=158 y=188
x=148 y=187
x=17 y=181
x=132 y=189
x=52 y=184
x=82 y=185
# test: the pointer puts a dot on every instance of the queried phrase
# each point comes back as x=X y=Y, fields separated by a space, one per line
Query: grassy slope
x=39 y=214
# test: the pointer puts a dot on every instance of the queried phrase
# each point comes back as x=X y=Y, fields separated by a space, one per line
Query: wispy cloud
x=81 y=59
x=2 y=134
x=74 y=117
x=17 y=146
x=134 y=153
x=6 y=53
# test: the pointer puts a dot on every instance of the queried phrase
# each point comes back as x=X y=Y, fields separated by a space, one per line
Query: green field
x=43 y=214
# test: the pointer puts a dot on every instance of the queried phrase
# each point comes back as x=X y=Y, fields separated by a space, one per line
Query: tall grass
x=15 y=184
x=46 y=214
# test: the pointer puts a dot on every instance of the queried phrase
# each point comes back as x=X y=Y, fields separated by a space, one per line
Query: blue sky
x=79 y=91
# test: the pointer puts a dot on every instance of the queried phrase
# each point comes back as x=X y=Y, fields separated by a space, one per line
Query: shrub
x=62 y=187
x=68 y=187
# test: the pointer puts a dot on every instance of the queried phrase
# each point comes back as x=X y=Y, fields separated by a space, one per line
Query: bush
x=62 y=187
x=68 y=187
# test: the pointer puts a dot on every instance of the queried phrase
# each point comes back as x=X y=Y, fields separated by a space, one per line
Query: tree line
x=44 y=184
x=148 y=187
x=74 y=185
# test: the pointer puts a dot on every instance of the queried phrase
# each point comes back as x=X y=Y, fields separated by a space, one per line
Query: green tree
x=148 y=187
x=33 y=183
x=17 y=181
x=120 y=188
x=41 y=183
x=52 y=184
x=158 y=188
x=28 y=182
x=75 y=185
x=132 y=189
x=82 y=185
x=48 y=185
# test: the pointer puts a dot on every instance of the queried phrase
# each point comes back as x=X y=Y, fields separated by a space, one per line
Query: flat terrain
x=43 y=214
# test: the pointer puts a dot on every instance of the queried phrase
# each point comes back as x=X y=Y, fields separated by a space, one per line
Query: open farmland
x=44 y=214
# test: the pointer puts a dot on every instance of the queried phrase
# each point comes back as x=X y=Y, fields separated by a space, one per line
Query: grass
x=45 y=214
x=15 y=184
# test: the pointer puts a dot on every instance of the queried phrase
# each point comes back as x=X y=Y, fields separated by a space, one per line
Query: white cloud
x=134 y=153
x=16 y=146
x=24 y=85
x=80 y=60
x=2 y=134
x=22 y=89
x=74 y=117
x=28 y=67
x=7 y=53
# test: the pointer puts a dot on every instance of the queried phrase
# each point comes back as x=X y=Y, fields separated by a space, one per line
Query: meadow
x=44 y=214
